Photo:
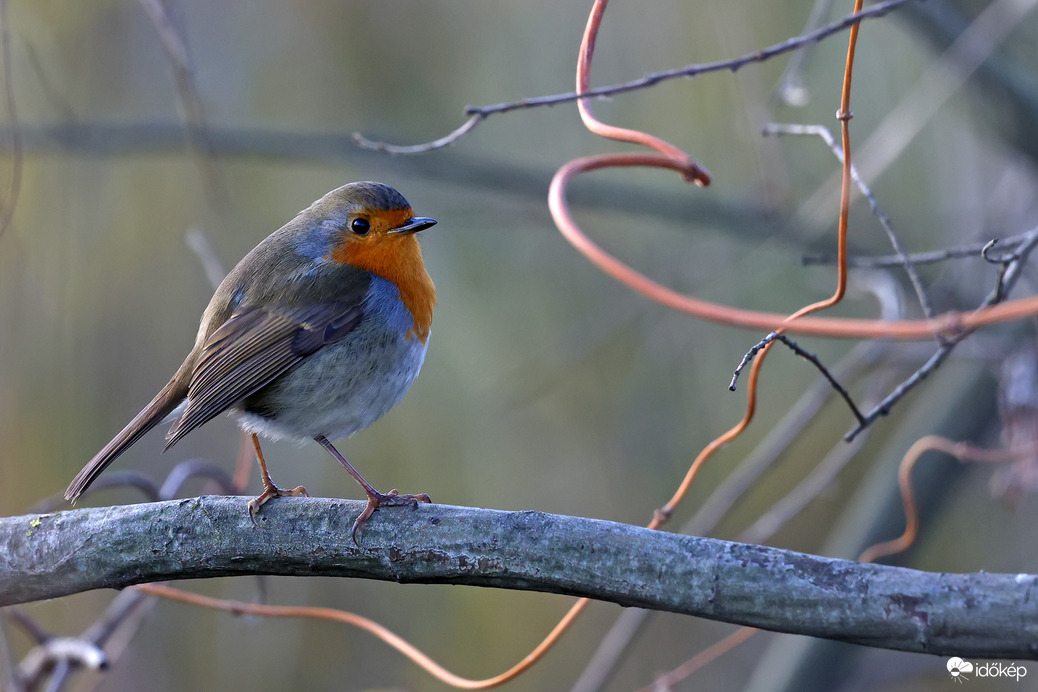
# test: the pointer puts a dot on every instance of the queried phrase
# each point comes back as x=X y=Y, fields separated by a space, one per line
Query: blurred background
x=547 y=385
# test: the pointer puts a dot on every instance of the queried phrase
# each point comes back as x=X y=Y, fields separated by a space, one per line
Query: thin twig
x=1007 y=278
x=985 y=253
x=932 y=257
x=198 y=242
x=994 y=22
x=1005 y=262
x=810 y=487
x=59 y=657
x=478 y=114
x=195 y=468
x=863 y=356
x=30 y=626
x=445 y=141
x=96 y=648
x=666 y=681
x=884 y=221
x=730 y=65
x=189 y=99
x=15 y=183
x=8 y=670
x=844 y=115
x=812 y=358
x=610 y=650
x=623 y=632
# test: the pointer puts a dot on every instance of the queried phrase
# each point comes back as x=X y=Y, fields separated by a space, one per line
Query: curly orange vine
x=962 y=451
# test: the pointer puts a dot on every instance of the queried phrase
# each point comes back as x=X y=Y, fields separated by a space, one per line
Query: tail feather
x=161 y=406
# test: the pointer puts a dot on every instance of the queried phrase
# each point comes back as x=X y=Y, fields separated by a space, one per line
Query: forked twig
x=812 y=358
x=1009 y=273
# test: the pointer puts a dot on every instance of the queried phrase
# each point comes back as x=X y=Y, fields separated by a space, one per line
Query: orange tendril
x=371 y=627
x=962 y=451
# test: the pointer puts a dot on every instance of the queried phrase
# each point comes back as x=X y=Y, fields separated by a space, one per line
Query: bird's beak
x=413 y=225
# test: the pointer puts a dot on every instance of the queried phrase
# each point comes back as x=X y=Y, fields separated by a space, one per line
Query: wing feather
x=252 y=348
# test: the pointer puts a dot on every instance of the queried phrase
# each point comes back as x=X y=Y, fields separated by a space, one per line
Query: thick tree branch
x=979 y=615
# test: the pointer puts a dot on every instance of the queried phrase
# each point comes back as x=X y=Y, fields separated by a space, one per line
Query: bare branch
x=448 y=139
x=189 y=98
x=810 y=357
x=1009 y=273
x=477 y=114
x=982 y=615
x=905 y=259
x=882 y=261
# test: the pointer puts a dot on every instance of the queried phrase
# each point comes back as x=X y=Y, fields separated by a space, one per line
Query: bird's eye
x=360 y=226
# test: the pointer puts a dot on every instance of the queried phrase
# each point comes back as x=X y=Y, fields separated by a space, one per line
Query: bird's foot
x=269 y=492
x=391 y=499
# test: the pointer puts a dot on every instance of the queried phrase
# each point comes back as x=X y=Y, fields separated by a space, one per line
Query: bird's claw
x=394 y=499
x=391 y=499
x=270 y=492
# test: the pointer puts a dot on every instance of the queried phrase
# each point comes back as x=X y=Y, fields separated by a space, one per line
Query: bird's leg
x=269 y=489
x=375 y=499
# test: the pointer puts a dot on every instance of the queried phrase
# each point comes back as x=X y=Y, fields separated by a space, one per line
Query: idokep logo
x=961 y=670
x=958 y=668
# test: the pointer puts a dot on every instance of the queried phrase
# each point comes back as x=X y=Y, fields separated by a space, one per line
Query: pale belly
x=345 y=386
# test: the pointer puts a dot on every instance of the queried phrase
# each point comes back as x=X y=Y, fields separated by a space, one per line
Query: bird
x=315 y=334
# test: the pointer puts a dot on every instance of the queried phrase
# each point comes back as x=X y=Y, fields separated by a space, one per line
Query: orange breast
x=396 y=258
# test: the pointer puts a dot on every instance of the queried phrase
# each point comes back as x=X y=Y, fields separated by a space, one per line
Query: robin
x=316 y=333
